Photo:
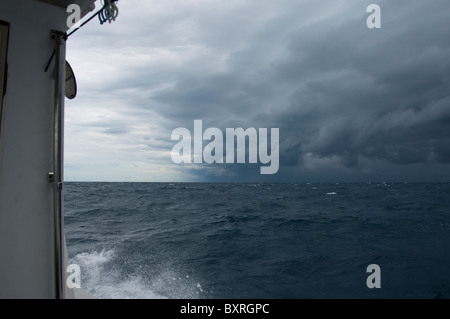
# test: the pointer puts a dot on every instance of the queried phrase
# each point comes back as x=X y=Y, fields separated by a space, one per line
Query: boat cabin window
x=4 y=28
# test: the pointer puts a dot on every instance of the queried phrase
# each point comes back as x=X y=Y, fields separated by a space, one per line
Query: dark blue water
x=200 y=240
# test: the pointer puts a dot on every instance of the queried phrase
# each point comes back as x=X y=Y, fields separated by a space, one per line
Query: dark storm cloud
x=350 y=102
x=336 y=88
x=382 y=95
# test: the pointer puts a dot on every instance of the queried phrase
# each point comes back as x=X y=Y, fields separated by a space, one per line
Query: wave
x=239 y=241
x=104 y=278
x=106 y=283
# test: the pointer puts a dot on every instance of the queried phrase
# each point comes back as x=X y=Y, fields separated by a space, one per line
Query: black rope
x=86 y=21
x=53 y=54
x=66 y=36
x=50 y=61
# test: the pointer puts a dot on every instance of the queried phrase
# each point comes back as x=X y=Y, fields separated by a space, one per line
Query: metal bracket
x=56 y=33
x=59 y=186
x=52 y=180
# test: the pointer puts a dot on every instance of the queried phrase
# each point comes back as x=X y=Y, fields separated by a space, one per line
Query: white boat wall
x=33 y=257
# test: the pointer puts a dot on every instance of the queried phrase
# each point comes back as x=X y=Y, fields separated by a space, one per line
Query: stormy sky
x=351 y=103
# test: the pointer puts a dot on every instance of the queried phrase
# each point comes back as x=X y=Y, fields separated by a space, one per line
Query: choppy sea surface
x=258 y=241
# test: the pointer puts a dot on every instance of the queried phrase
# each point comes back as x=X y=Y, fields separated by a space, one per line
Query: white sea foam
x=105 y=284
x=332 y=193
x=109 y=283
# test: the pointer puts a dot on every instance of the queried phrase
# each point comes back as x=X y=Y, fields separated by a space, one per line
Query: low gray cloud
x=350 y=102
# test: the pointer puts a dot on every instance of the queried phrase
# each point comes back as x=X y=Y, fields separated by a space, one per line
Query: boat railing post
x=57 y=177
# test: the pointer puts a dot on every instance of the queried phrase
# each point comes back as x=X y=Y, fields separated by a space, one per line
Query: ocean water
x=259 y=241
